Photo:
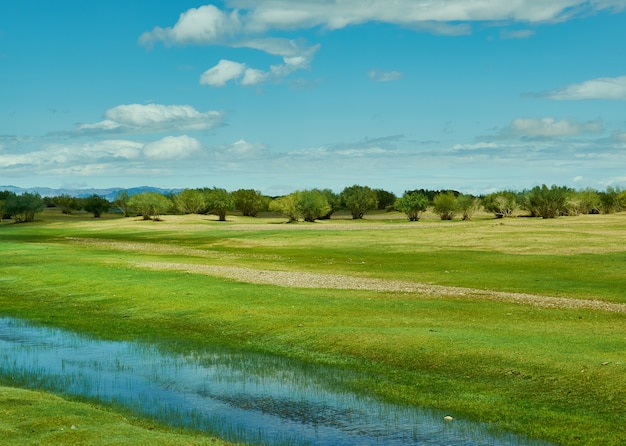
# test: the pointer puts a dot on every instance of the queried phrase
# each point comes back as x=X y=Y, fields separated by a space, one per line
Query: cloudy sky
x=279 y=95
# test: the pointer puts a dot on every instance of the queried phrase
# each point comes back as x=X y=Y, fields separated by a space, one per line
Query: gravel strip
x=333 y=281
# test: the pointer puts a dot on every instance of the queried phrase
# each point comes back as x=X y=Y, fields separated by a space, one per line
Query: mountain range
x=108 y=193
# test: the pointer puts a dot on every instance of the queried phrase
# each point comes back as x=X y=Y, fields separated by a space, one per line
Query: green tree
x=610 y=200
x=445 y=205
x=287 y=206
x=412 y=204
x=311 y=204
x=151 y=205
x=586 y=201
x=121 y=202
x=250 y=202
x=219 y=202
x=96 y=205
x=358 y=200
x=3 y=198
x=502 y=203
x=22 y=208
x=333 y=200
x=386 y=199
x=66 y=203
x=547 y=202
x=190 y=201
x=467 y=205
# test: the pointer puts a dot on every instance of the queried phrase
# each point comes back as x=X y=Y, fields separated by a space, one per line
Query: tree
x=586 y=201
x=467 y=205
x=412 y=204
x=23 y=208
x=385 y=198
x=311 y=204
x=3 y=198
x=445 y=205
x=219 y=202
x=96 y=205
x=358 y=200
x=610 y=200
x=121 y=202
x=502 y=203
x=66 y=203
x=250 y=202
x=333 y=200
x=287 y=206
x=151 y=205
x=190 y=201
x=547 y=202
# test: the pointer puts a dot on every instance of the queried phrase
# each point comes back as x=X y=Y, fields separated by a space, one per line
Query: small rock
x=605 y=363
x=448 y=418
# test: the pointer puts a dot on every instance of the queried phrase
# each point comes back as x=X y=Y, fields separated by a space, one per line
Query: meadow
x=517 y=322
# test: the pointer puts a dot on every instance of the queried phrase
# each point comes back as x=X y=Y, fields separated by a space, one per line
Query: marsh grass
x=556 y=374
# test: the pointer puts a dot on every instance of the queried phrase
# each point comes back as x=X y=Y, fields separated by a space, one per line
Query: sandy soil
x=317 y=280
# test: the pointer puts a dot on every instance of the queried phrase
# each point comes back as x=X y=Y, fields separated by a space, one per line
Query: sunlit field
x=517 y=322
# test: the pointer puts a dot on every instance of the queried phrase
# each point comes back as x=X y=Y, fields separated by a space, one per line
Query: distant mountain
x=109 y=193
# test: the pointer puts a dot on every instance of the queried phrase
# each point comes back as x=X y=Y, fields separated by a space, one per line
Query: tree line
x=316 y=204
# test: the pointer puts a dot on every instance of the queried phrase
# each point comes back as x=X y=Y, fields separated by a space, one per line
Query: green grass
x=555 y=374
x=36 y=418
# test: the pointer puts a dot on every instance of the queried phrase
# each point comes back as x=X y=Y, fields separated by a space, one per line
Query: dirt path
x=318 y=280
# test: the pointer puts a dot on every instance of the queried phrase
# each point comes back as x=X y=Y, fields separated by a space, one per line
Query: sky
x=284 y=95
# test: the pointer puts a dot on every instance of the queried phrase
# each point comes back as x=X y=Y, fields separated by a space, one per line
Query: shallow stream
x=238 y=396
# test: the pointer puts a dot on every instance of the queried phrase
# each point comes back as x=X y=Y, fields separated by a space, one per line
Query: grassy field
x=555 y=373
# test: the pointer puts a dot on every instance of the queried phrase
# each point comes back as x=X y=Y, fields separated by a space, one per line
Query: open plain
x=516 y=322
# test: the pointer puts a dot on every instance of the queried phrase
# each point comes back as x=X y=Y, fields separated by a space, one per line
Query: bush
x=22 y=208
x=547 y=202
x=358 y=200
x=412 y=204
x=502 y=204
x=445 y=205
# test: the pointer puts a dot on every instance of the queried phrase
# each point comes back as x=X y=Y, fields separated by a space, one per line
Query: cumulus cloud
x=146 y=118
x=550 y=127
x=600 y=88
x=384 y=76
x=223 y=72
x=172 y=147
x=204 y=25
x=249 y=24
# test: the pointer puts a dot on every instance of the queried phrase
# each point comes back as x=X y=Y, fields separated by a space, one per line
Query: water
x=238 y=396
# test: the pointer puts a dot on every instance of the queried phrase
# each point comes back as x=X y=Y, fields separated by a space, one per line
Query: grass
x=555 y=374
x=36 y=418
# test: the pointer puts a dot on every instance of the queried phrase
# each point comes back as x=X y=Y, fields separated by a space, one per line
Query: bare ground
x=334 y=281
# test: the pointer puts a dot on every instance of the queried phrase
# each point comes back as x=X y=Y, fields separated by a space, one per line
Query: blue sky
x=279 y=95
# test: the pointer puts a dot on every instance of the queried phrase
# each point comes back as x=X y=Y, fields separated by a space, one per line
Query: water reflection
x=239 y=396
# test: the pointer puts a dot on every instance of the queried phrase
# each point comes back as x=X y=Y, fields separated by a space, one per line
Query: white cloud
x=384 y=76
x=135 y=118
x=222 y=73
x=551 y=127
x=204 y=25
x=241 y=150
x=252 y=76
x=172 y=147
x=337 y=14
x=600 y=88
x=249 y=23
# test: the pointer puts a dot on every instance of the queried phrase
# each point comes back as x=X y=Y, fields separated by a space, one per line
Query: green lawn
x=552 y=373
